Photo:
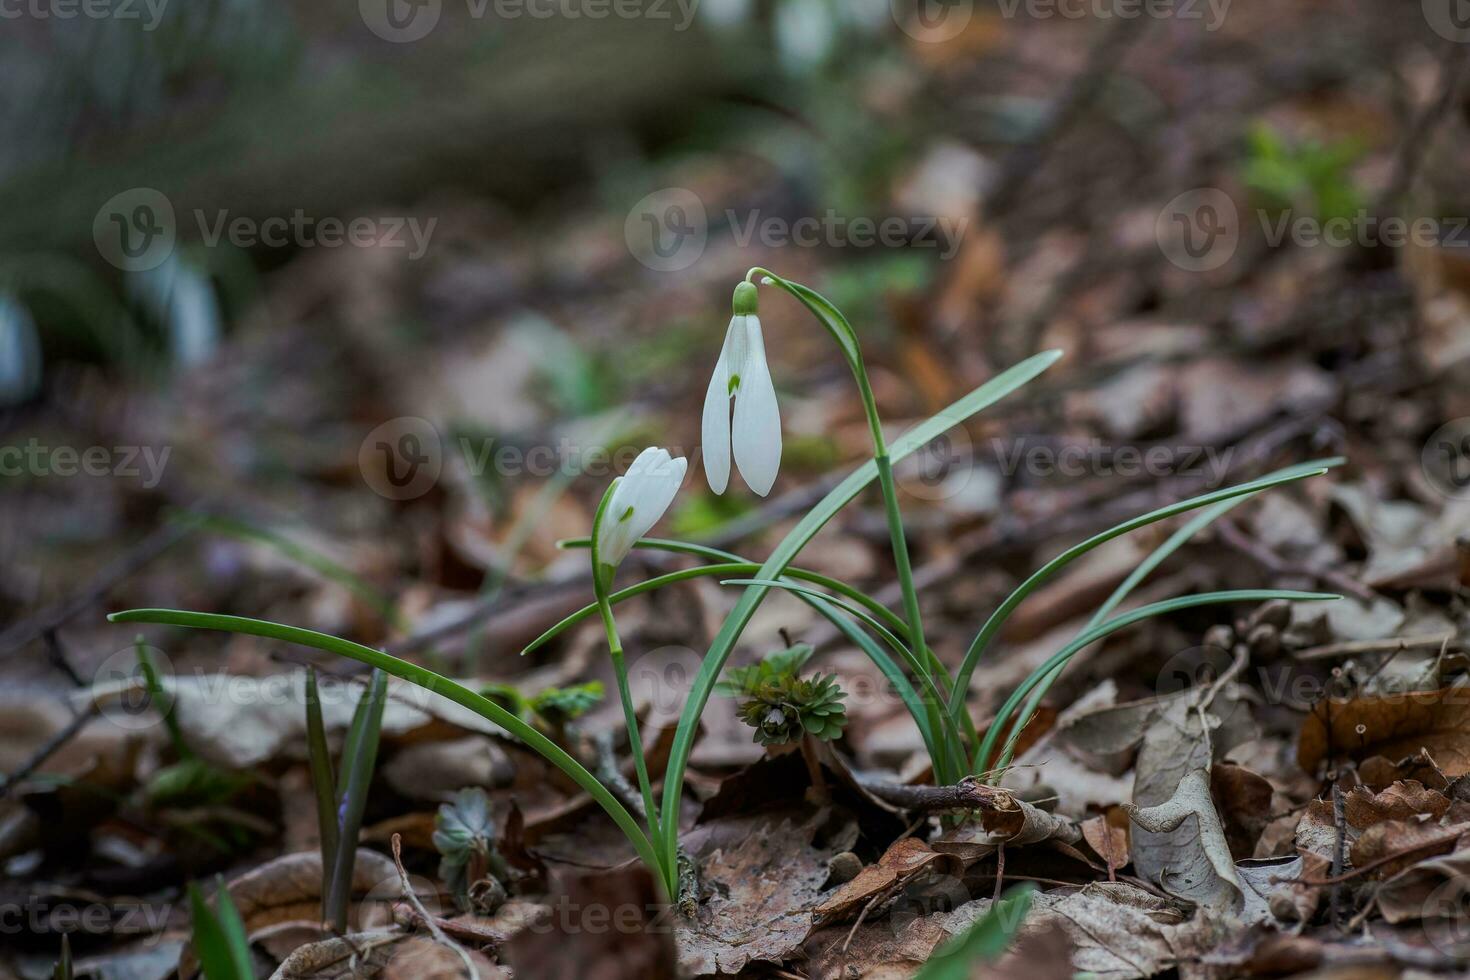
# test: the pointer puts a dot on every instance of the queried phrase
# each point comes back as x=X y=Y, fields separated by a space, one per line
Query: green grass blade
x=983 y=942
x=358 y=760
x=427 y=679
x=891 y=619
x=310 y=558
x=663 y=544
x=1146 y=568
x=886 y=666
x=219 y=937
x=62 y=969
x=322 y=781
x=1046 y=572
x=1060 y=658
x=162 y=702
x=775 y=566
x=936 y=698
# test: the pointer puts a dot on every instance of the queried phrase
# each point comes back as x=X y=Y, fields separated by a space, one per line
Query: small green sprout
x=464 y=836
x=558 y=705
x=781 y=705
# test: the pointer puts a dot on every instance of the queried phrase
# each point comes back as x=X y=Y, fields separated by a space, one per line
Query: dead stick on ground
x=45 y=752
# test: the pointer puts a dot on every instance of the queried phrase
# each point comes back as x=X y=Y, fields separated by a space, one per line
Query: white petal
x=756 y=433
x=613 y=541
x=638 y=500
x=715 y=427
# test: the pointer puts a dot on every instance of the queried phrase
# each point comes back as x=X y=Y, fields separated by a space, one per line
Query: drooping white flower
x=639 y=498
x=741 y=374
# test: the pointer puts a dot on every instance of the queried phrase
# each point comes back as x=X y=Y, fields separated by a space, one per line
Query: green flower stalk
x=742 y=367
x=631 y=506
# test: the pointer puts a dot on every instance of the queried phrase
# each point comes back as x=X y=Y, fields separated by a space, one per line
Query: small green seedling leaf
x=983 y=942
x=358 y=758
x=220 y=942
x=323 y=781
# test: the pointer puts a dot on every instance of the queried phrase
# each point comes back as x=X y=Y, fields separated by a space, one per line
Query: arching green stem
x=841 y=330
x=602 y=576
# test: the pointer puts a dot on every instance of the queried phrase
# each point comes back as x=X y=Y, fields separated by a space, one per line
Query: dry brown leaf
x=422 y=958
x=1243 y=800
x=761 y=879
x=901 y=863
x=1396 y=726
x=1404 y=842
x=1108 y=839
x=609 y=926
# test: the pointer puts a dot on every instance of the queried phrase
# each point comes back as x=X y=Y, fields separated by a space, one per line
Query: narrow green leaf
x=323 y=782
x=162 y=702
x=785 y=553
x=1046 y=572
x=219 y=937
x=983 y=754
x=62 y=969
x=898 y=647
x=1145 y=568
x=358 y=760
x=427 y=679
x=983 y=942
x=891 y=619
x=233 y=928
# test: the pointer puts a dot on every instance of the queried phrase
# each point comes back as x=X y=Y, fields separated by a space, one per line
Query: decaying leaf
x=762 y=880
x=1394 y=725
x=900 y=864
x=606 y=926
x=1185 y=851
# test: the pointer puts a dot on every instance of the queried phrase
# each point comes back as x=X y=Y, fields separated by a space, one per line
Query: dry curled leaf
x=1392 y=725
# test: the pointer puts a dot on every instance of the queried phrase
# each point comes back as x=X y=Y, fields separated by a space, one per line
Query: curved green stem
x=790 y=546
x=894 y=643
x=841 y=330
x=602 y=576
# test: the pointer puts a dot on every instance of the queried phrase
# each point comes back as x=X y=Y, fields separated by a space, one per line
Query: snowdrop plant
x=741 y=375
x=936 y=699
x=633 y=503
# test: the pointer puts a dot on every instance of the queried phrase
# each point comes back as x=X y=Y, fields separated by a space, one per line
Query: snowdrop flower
x=636 y=501
x=741 y=373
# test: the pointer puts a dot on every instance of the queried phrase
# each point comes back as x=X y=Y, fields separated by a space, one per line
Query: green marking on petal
x=625 y=515
x=734 y=383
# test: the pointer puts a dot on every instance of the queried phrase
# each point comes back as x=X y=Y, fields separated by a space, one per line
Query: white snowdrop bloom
x=741 y=374
x=639 y=498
